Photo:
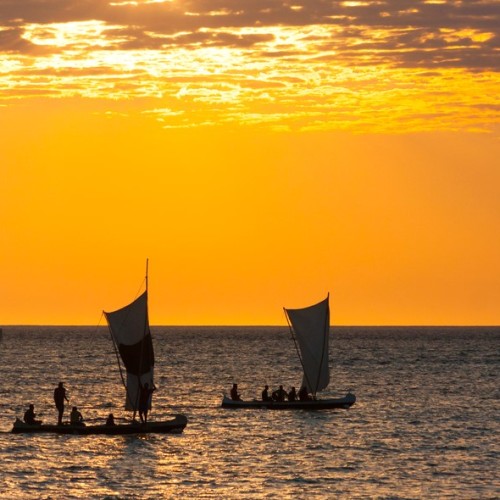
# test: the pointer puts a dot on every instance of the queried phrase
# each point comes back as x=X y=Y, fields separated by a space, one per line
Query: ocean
x=425 y=424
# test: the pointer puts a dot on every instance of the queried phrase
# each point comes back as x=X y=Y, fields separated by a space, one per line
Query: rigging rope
x=116 y=347
x=297 y=348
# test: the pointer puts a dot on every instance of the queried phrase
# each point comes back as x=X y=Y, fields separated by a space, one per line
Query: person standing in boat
x=234 y=393
x=29 y=416
x=292 y=395
x=265 y=394
x=59 y=397
x=75 y=417
x=145 y=397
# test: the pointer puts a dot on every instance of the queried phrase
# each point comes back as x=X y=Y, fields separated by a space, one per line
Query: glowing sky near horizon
x=212 y=134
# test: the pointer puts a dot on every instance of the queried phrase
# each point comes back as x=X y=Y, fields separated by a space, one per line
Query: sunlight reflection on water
x=424 y=425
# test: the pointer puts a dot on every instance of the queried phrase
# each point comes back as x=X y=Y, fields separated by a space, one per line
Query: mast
x=131 y=335
x=325 y=339
x=144 y=333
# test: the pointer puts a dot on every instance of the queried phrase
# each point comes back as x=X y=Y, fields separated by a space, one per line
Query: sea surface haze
x=425 y=425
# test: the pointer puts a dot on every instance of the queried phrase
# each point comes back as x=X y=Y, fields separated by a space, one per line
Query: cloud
x=157 y=25
x=307 y=62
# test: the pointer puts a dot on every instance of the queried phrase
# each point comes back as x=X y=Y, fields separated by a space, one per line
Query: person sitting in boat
x=145 y=397
x=303 y=394
x=265 y=394
x=280 y=394
x=234 y=393
x=110 y=420
x=29 y=416
x=75 y=417
x=292 y=395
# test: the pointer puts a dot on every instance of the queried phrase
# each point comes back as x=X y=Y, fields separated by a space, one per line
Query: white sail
x=311 y=326
x=129 y=328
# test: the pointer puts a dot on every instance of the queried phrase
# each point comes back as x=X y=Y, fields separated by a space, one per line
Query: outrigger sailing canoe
x=310 y=328
x=314 y=404
x=131 y=335
x=174 y=426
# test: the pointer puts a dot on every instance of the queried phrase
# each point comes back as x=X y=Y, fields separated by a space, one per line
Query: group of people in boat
x=60 y=396
x=76 y=418
x=278 y=395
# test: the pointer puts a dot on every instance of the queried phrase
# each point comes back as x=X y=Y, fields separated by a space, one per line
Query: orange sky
x=260 y=157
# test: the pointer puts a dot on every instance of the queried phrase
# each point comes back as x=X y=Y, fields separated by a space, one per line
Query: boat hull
x=317 y=404
x=174 y=426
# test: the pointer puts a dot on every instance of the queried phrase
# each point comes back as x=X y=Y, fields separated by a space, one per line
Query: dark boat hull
x=318 y=404
x=174 y=426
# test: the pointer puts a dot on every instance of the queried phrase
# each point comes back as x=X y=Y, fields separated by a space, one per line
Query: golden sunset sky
x=260 y=153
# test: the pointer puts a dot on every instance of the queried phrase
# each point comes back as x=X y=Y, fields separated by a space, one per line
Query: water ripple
x=425 y=424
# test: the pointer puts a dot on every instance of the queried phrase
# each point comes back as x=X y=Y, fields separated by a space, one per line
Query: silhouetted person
x=144 y=401
x=292 y=395
x=234 y=393
x=29 y=416
x=110 y=420
x=75 y=417
x=59 y=397
x=303 y=394
x=265 y=394
x=280 y=394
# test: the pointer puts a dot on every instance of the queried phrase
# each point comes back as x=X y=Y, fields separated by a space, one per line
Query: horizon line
x=420 y=325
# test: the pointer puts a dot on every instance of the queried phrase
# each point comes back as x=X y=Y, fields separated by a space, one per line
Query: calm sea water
x=426 y=424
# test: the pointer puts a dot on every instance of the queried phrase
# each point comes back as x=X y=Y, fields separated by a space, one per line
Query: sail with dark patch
x=131 y=336
x=129 y=327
